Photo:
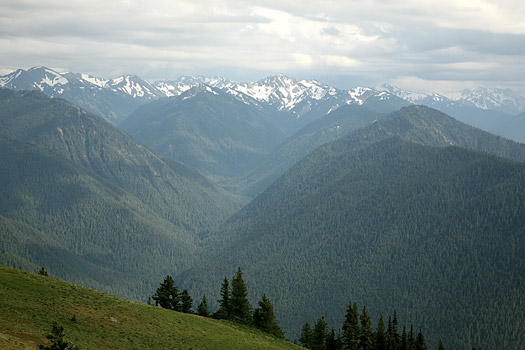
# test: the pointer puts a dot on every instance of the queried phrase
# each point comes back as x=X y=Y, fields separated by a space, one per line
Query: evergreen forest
x=371 y=227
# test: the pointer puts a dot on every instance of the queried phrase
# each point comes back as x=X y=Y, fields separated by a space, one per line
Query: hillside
x=435 y=231
x=94 y=320
x=332 y=126
x=207 y=129
x=83 y=197
x=416 y=123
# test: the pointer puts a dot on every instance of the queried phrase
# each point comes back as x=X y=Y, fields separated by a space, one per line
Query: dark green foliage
x=224 y=311
x=306 y=336
x=441 y=346
x=380 y=337
x=411 y=339
x=202 y=309
x=264 y=318
x=319 y=334
x=366 y=334
x=404 y=339
x=186 y=302
x=43 y=272
x=167 y=295
x=393 y=339
x=351 y=328
x=333 y=341
x=57 y=340
x=421 y=344
x=239 y=303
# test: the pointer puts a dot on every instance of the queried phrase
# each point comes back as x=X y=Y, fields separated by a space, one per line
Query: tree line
x=233 y=304
x=357 y=334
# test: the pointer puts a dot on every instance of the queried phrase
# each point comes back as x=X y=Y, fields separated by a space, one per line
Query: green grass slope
x=30 y=303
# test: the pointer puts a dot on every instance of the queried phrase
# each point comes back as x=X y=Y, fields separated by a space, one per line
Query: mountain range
x=320 y=195
x=294 y=103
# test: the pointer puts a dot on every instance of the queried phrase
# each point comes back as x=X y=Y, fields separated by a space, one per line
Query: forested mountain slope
x=437 y=232
x=416 y=123
x=82 y=196
x=207 y=129
x=332 y=126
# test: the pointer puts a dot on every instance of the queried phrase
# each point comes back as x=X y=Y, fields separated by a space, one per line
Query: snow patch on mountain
x=504 y=100
x=494 y=98
x=410 y=96
x=102 y=83
x=6 y=79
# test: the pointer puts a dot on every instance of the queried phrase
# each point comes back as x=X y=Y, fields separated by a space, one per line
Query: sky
x=418 y=45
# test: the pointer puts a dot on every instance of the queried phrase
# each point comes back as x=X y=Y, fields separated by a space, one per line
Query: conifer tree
x=404 y=339
x=202 y=309
x=239 y=304
x=306 y=336
x=224 y=311
x=333 y=342
x=319 y=334
x=264 y=318
x=380 y=335
x=43 y=272
x=365 y=332
x=351 y=328
x=57 y=340
x=420 y=342
x=167 y=295
x=393 y=339
x=186 y=302
x=440 y=346
x=411 y=339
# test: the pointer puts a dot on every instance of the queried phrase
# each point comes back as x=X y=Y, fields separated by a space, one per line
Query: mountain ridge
x=97 y=195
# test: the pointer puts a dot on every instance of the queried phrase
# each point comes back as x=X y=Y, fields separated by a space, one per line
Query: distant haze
x=418 y=45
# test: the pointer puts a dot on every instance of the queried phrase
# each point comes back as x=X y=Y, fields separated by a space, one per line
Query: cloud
x=355 y=42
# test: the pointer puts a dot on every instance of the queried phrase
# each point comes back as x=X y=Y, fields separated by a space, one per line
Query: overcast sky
x=420 y=45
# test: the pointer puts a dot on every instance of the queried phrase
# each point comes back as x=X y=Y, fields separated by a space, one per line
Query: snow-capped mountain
x=130 y=85
x=417 y=98
x=113 y=99
x=291 y=103
x=45 y=79
x=504 y=100
x=493 y=110
x=34 y=78
x=176 y=87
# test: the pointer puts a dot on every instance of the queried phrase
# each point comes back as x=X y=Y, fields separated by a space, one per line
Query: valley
x=413 y=203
